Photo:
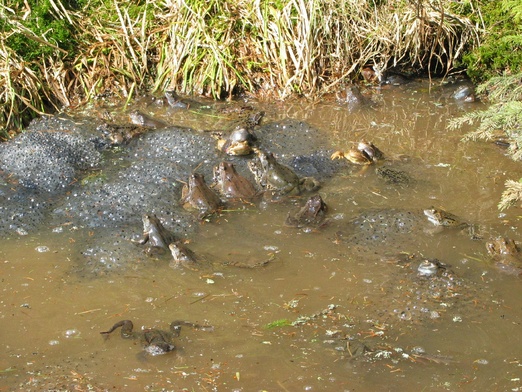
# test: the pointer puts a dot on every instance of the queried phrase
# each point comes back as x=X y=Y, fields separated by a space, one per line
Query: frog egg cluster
x=147 y=178
x=47 y=161
x=21 y=210
x=289 y=138
x=109 y=251
x=51 y=163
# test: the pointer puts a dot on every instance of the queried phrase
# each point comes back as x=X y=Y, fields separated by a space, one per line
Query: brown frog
x=197 y=195
x=430 y=267
x=141 y=119
x=506 y=255
x=443 y=220
x=121 y=134
x=238 y=143
x=183 y=256
x=241 y=140
x=155 y=341
x=175 y=101
x=352 y=97
x=370 y=75
x=155 y=234
x=393 y=176
x=278 y=179
x=365 y=153
x=464 y=94
x=311 y=215
x=231 y=184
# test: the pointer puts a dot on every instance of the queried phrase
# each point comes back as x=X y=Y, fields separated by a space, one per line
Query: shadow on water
x=335 y=308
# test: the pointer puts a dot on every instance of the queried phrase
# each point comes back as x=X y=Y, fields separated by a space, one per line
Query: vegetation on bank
x=497 y=62
x=66 y=52
x=502 y=120
x=57 y=53
x=500 y=49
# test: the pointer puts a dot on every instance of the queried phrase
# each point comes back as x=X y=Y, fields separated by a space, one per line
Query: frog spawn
x=426 y=291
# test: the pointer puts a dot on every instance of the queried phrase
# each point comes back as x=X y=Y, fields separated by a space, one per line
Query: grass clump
x=35 y=37
x=83 y=49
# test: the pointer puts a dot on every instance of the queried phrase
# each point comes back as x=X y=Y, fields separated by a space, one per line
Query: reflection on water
x=461 y=332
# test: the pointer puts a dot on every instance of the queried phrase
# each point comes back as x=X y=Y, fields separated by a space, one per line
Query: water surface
x=51 y=316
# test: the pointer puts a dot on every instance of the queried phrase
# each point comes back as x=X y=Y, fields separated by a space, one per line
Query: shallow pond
x=464 y=334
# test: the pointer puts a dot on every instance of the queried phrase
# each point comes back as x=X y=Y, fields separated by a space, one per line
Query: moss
x=501 y=47
x=43 y=22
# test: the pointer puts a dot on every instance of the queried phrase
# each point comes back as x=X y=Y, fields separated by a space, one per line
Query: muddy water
x=50 y=316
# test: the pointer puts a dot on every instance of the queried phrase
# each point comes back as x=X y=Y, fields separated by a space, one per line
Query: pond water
x=338 y=295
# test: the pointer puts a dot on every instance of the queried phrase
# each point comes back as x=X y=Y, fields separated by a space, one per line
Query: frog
x=502 y=246
x=241 y=140
x=370 y=75
x=442 y=218
x=393 y=176
x=356 y=349
x=396 y=79
x=184 y=257
x=155 y=234
x=197 y=195
x=430 y=267
x=352 y=97
x=506 y=255
x=141 y=119
x=177 y=102
x=155 y=341
x=231 y=184
x=366 y=153
x=279 y=180
x=464 y=94
x=121 y=134
x=370 y=150
x=311 y=215
x=238 y=143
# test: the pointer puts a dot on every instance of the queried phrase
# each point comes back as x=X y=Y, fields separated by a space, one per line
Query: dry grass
x=218 y=48
x=21 y=91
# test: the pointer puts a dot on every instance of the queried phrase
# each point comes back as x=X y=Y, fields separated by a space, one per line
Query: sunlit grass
x=219 y=48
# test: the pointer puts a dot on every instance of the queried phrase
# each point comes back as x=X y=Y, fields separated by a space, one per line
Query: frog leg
x=126 y=330
x=144 y=240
